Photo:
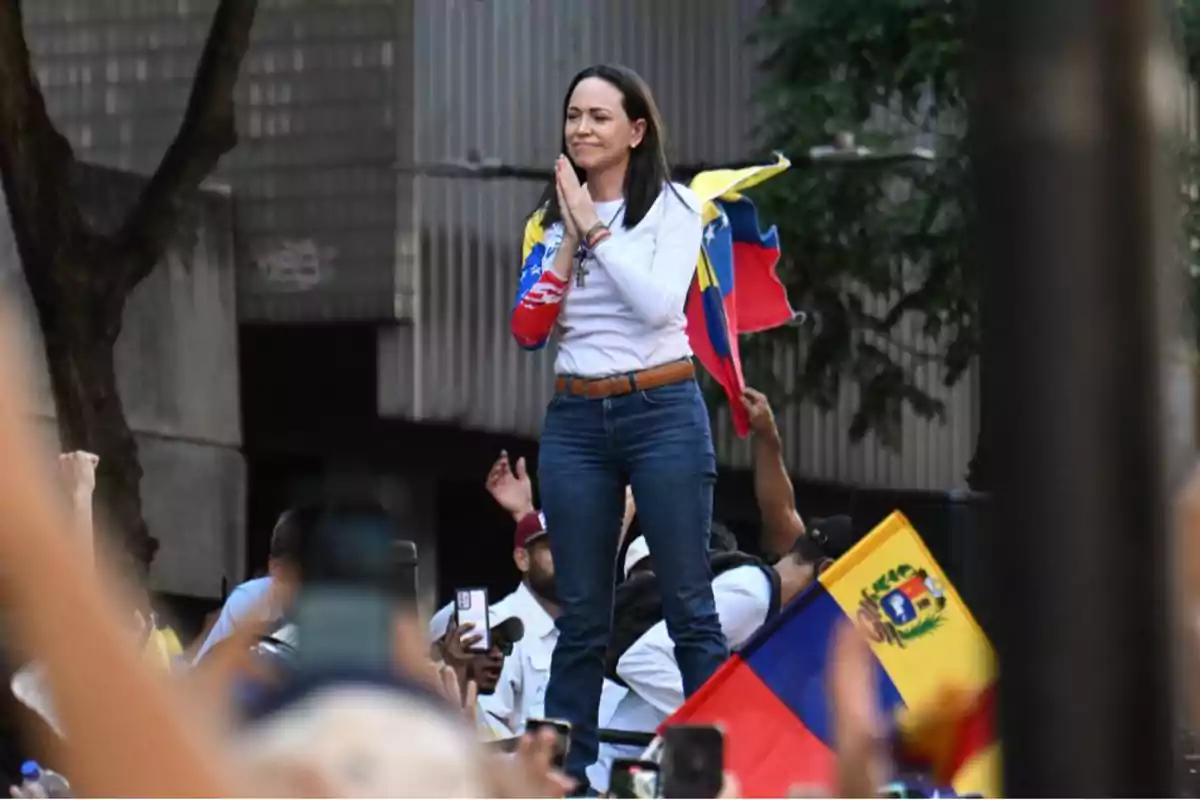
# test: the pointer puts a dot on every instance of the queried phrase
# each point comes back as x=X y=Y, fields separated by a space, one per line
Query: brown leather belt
x=597 y=388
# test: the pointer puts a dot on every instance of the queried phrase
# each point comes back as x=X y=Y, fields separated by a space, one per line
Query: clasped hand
x=574 y=201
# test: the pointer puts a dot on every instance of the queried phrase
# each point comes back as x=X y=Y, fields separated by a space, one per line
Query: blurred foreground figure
x=363 y=740
x=133 y=730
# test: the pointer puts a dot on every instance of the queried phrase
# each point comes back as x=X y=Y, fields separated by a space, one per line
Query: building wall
x=489 y=80
x=342 y=102
x=177 y=376
x=317 y=119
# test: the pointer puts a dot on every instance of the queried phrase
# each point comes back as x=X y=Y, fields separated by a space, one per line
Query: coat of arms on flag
x=770 y=697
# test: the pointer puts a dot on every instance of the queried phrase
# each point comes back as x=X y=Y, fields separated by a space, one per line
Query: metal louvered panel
x=489 y=83
x=933 y=454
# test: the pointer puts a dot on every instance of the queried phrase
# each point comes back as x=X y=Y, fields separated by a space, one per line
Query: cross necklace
x=581 y=256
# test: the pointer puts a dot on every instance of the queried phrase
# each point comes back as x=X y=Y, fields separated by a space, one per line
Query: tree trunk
x=80 y=279
x=80 y=324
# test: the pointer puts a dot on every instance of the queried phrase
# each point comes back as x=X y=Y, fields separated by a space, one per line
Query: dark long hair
x=648 y=168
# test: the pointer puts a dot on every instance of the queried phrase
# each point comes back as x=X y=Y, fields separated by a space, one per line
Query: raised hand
x=579 y=205
x=570 y=229
x=511 y=489
x=456 y=647
x=762 y=419
x=78 y=470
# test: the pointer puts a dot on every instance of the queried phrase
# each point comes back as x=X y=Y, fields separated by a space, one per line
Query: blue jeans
x=659 y=441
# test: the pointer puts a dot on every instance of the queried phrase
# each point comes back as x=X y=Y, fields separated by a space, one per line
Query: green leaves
x=873 y=254
x=880 y=257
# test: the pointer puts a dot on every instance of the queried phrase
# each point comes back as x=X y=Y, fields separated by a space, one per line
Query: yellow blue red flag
x=735 y=290
x=770 y=697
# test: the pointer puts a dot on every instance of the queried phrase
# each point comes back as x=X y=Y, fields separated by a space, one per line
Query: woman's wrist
x=596 y=234
x=586 y=223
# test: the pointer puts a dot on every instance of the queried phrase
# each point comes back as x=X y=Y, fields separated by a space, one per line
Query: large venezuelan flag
x=735 y=289
x=770 y=698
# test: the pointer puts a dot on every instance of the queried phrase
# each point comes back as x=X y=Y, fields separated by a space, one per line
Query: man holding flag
x=746 y=598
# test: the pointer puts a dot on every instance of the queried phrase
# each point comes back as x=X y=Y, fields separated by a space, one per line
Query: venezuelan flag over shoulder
x=735 y=289
x=770 y=698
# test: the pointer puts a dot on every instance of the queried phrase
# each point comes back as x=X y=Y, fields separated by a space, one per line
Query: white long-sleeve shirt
x=623 y=309
x=648 y=667
x=246 y=600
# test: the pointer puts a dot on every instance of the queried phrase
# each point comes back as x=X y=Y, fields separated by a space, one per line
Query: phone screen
x=631 y=778
x=471 y=606
x=562 y=737
x=693 y=761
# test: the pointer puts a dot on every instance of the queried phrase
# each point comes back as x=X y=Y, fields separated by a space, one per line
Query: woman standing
x=610 y=255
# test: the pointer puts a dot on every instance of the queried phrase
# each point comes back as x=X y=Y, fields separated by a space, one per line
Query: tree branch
x=208 y=132
x=35 y=158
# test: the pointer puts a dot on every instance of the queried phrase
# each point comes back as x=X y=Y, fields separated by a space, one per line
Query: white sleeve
x=743 y=597
x=652 y=273
x=238 y=606
x=648 y=668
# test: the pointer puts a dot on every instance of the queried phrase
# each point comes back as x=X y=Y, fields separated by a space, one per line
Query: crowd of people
x=325 y=678
x=643 y=684
x=107 y=695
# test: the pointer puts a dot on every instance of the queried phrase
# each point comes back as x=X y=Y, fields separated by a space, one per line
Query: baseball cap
x=638 y=550
x=440 y=622
x=530 y=528
x=827 y=538
x=507 y=625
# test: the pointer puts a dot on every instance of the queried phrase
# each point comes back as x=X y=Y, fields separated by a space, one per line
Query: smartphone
x=633 y=778
x=693 y=760
x=562 y=737
x=471 y=605
x=350 y=587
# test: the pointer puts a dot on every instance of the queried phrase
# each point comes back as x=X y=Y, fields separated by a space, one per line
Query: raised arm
x=781 y=522
x=543 y=285
x=130 y=734
x=78 y=470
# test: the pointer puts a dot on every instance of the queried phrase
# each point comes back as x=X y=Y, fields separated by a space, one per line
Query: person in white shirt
x=746 y=598
x=521 y=689
x=268 y=596
x=638 y=607
x=608 y=268
x=483 y=669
